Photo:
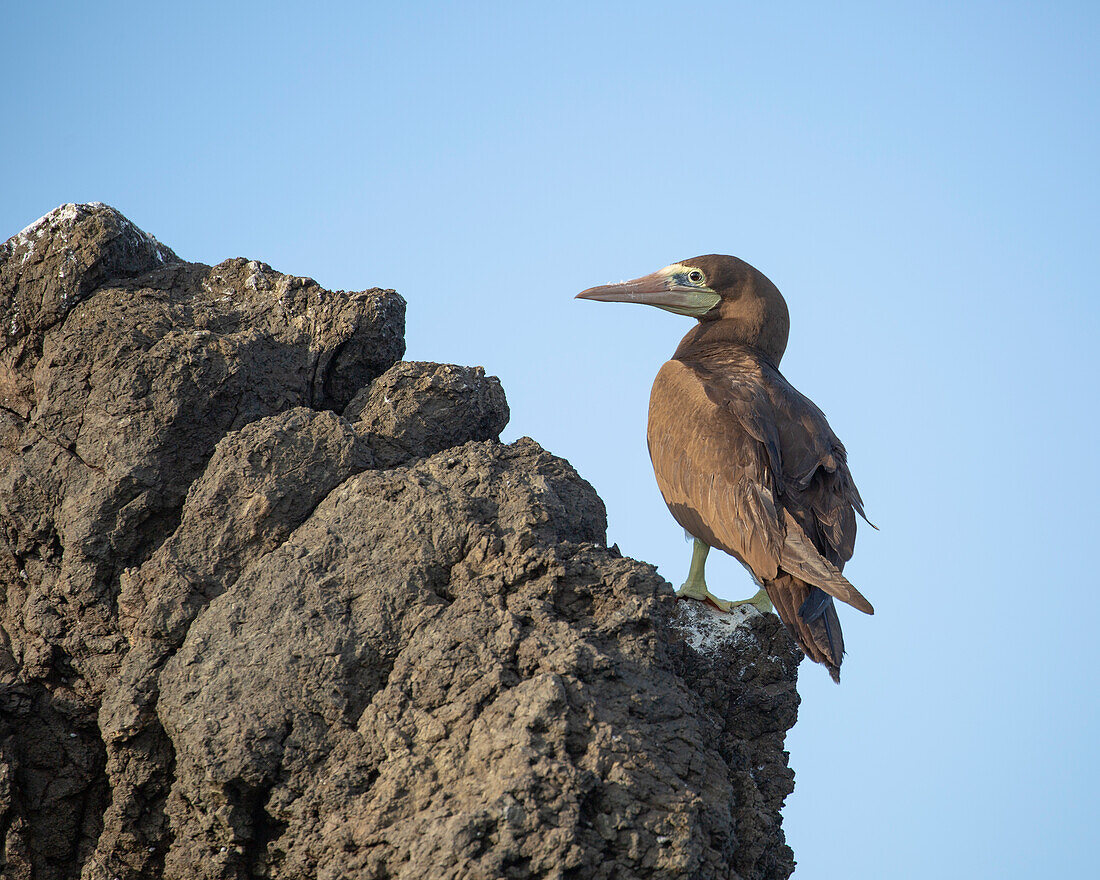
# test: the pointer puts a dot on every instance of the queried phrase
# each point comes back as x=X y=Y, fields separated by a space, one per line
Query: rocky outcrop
x=278 y=604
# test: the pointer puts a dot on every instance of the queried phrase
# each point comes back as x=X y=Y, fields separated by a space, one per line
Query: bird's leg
x=695 y=587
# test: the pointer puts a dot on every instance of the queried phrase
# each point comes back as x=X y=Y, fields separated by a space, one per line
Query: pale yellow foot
x=760 y=601
x=695 y=587
x=700 y=592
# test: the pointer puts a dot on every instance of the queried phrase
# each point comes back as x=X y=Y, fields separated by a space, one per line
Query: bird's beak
x=659 y=289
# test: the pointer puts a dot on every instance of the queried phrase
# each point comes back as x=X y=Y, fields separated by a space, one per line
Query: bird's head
x=733 y=301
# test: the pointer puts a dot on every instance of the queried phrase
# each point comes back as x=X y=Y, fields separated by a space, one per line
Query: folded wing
x=751 y=466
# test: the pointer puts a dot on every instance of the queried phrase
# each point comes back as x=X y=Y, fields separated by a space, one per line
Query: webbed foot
x=702 y=594
x=759 y=601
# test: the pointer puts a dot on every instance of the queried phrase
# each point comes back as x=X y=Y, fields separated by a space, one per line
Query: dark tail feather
x=810 y=616
x=815 y=605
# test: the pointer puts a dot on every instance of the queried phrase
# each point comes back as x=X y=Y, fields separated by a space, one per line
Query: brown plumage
x=744 y=461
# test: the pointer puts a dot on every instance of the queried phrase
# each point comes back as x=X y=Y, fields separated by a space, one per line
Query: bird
x=744 y=461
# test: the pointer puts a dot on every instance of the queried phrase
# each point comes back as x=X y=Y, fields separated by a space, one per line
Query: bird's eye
x=695 y=275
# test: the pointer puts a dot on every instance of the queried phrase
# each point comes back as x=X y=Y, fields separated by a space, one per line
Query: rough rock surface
x=417 y=409
x=277 y=604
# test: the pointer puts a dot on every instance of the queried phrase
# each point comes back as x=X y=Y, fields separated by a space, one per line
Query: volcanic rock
x=280 y=605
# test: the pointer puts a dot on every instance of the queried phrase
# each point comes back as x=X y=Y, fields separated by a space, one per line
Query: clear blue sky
x=921 y=181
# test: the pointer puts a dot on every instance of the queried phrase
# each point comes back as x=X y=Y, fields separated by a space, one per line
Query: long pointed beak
x=658 y=289
x=649 y=290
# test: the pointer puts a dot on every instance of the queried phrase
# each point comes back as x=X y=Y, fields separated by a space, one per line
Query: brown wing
x=818 y=487
x=748 y=465
x=714 y=475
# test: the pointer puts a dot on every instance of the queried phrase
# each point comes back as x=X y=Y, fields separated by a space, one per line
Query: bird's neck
x=724 y=333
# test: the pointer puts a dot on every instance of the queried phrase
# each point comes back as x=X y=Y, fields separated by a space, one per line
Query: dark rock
x=122 y=368
x=244 y=636
x=49 y=268
x=260 y=484
x=442 y=673
x=417 y=409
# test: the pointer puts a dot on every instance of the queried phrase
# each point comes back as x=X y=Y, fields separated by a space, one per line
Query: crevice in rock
x=259 y=858
x=327 y=385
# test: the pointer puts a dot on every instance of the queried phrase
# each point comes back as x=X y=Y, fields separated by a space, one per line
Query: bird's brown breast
x=712 y=474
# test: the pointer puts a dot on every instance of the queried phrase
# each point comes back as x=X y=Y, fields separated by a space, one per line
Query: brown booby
x=744 y=461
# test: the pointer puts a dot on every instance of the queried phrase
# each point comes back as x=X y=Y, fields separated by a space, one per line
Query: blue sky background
x=920 y=180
